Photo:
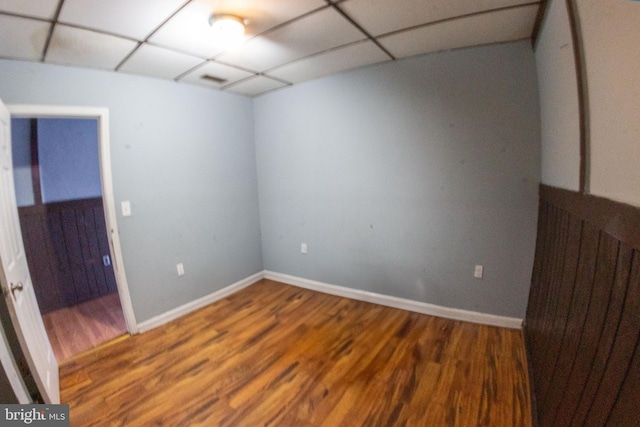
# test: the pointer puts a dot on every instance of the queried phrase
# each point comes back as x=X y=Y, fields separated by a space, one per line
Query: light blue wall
x=69 y=159
x=401 y=177
x=21 y=155
x=184 y=156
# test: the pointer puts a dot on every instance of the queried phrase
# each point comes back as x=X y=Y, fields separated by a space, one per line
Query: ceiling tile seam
x=458 y=17
x=171 y=15
x=176 y=50
x=238 y=67
x=361 y=29
x=230 y=85
x=278 y=79
x=95 y=30
x=322 y=52
x=190 y=70
x=19 y=15
x=128 y=56
x=227 y=86
x=45 y=49
x=141 y=43
x=145 y=40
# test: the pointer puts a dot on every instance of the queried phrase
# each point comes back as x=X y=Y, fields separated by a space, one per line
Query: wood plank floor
x=81 y=327
x=277 y=355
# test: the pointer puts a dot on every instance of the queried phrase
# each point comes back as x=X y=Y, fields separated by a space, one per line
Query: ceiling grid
x=287 y=41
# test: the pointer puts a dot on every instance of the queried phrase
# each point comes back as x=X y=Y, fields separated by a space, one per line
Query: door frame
x=104 y=148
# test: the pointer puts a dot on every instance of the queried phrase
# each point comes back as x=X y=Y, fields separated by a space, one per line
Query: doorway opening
x=62 y=177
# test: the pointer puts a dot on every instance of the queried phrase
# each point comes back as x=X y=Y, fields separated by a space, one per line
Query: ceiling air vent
x=213 y=79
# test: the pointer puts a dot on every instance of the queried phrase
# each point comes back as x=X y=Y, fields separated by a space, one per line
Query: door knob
x=16 y=287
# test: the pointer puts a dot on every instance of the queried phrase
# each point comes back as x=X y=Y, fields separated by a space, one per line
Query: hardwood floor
x=81 y=327
x=278 y=355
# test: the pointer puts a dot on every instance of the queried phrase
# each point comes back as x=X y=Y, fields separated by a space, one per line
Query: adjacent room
x=357 y=213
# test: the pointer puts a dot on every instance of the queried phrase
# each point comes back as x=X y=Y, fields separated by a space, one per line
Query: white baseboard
x=341 y=291
x=405 y=304
x=187 y=308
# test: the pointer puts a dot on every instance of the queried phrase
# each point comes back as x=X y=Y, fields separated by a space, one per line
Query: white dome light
x=228 y=31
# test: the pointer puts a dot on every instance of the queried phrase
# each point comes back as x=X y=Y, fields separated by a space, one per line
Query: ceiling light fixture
x=228 y=30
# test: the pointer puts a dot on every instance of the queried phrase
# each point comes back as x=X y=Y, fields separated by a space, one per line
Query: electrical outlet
x=478 y=272
x=303 y=248
x=180 y=268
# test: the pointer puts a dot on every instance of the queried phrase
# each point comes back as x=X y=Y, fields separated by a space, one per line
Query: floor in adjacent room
x=73 y=330
x=278 y=355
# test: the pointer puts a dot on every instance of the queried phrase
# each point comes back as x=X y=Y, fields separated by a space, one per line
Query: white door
x=16 y=281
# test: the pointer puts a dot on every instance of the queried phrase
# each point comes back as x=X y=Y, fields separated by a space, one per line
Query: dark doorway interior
x=59 y=194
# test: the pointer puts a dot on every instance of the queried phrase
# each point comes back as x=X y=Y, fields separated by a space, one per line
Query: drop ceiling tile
x=159 y=62
x=493 y=27
x=129 y=18
x=75 y=46
x=314 y=33
x=45 y=9
x=329 y=62
x=384 y=16
x=189 y=29
x=256 y=85
x=216 y=70
x=22 y=38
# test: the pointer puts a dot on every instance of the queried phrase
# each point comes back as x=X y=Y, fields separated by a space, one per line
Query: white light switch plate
x=478 y=272
x=126 y=208
x=180 y=268
x=303 y=248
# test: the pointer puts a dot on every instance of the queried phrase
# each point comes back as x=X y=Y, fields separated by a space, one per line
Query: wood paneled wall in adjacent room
x=65 y=244
x=583 y=319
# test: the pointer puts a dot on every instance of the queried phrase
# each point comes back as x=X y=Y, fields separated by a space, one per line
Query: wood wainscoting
x=66 y=244
x=583 y=319
x=277 y=355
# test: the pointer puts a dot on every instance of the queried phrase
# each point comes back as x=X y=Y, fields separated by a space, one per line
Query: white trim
x=102 y=115
x=194 y=305
x=401 y=303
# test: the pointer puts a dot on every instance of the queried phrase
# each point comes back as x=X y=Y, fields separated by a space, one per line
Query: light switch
x=303 y=248
x=180 y=268
x=126 y=208
x=478 y=272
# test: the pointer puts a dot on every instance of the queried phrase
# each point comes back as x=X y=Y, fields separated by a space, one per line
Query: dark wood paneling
x=609 y=331
x=622 y=351
x=552 y=346
x=592 y=330
x=582 y=324
x=617 y=219
x=575 y=323
x=65 y=244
